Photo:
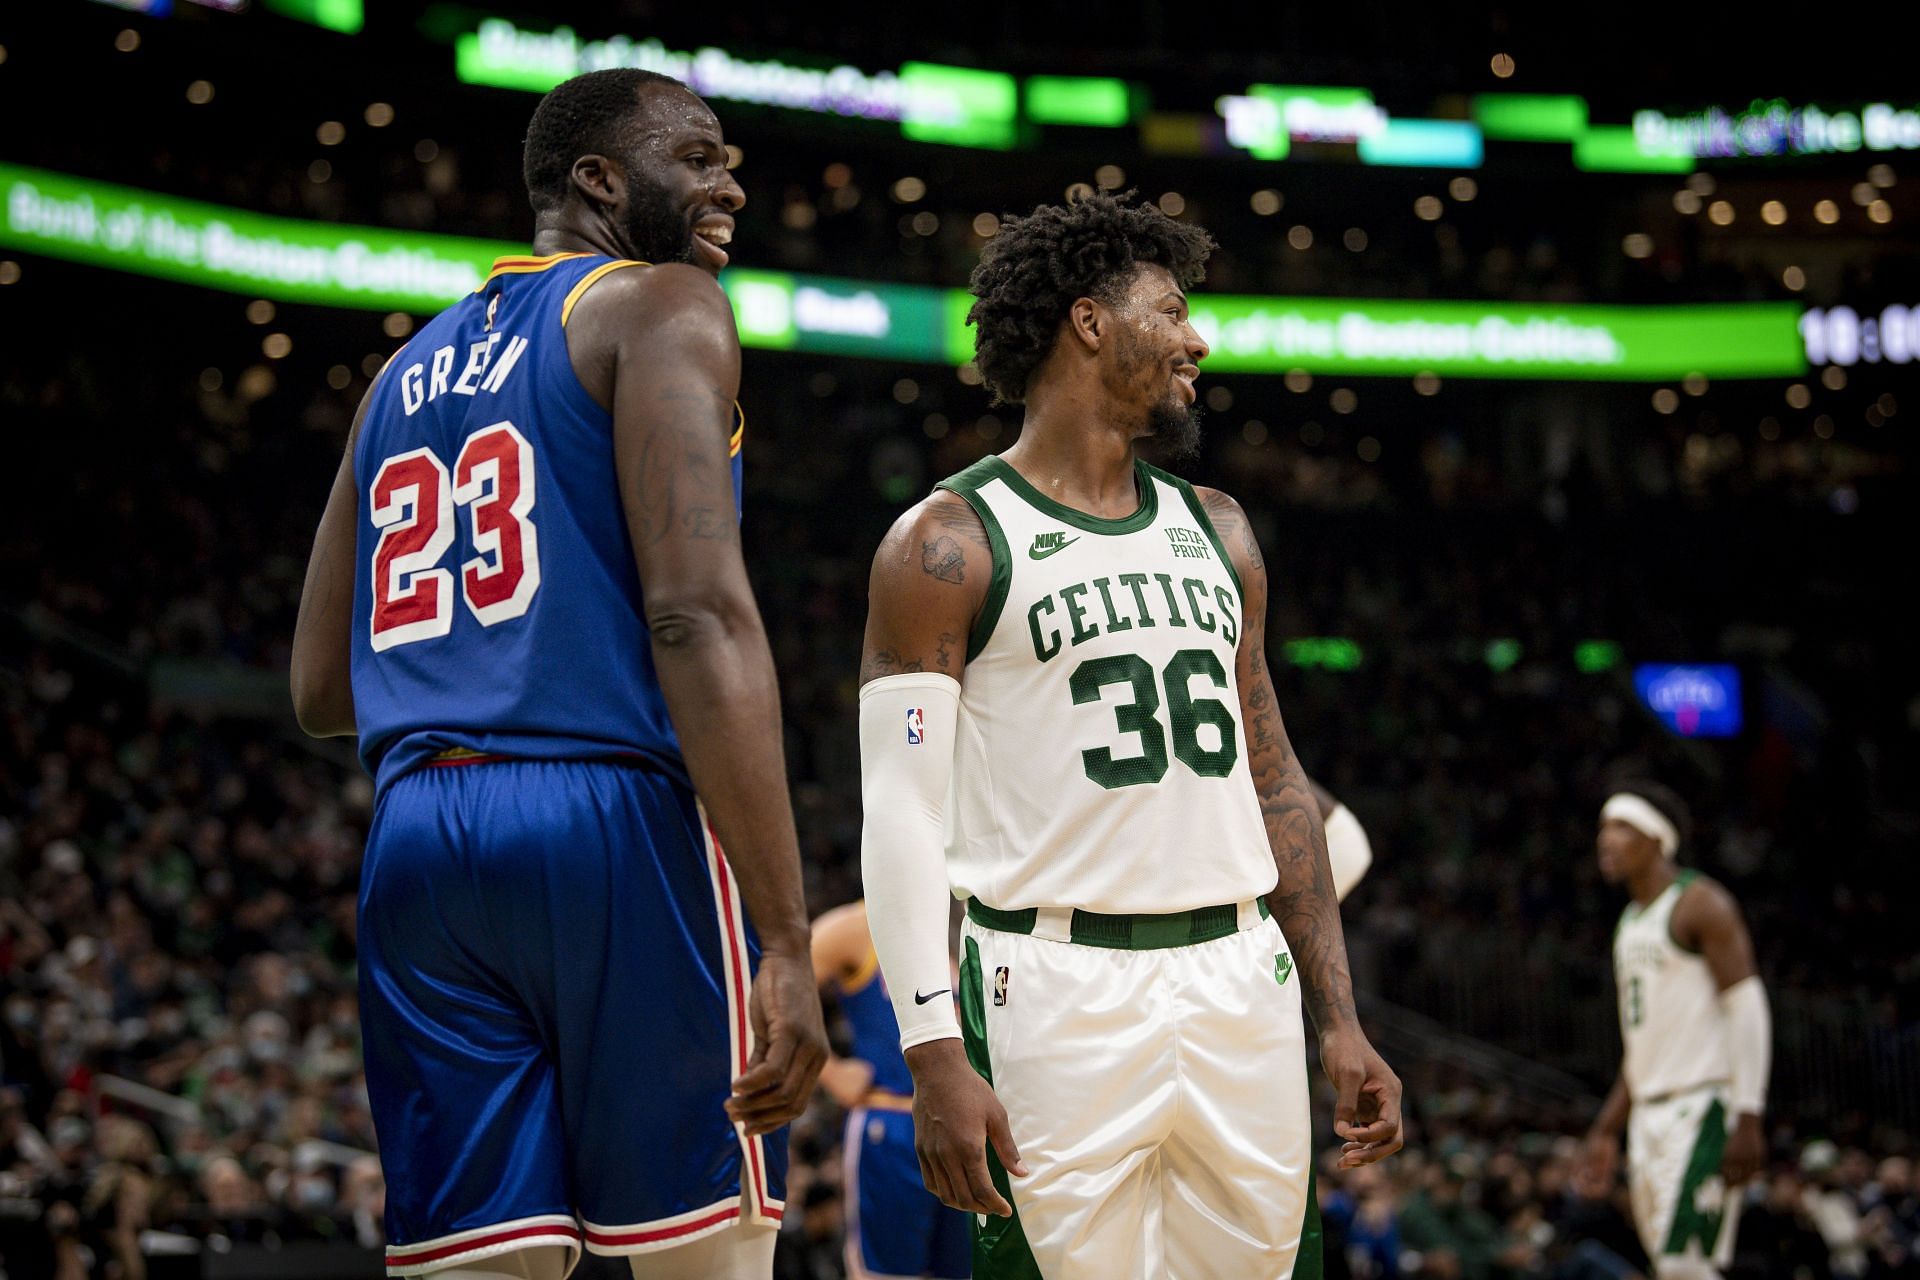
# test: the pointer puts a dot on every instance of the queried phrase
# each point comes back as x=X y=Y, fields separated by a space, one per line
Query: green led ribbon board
x=294 y=260
x=286 y=259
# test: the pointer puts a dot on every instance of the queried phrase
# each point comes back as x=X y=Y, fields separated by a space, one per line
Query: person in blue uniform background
x=586 y=988
x=895 y=1226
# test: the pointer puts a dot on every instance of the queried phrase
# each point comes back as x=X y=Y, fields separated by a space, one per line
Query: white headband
x=1637 y=813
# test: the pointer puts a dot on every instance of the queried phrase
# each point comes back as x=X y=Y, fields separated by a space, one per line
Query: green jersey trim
x=1140 y=519
x=1213 y=535
x=966 y=485
x=1680 y=882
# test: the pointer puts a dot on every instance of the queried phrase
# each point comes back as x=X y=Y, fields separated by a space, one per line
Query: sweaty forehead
x=668 y=112
x=1150 y=283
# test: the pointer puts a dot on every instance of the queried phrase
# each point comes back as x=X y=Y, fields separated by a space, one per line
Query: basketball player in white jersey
x=1698 y=1042
x=1066 y=720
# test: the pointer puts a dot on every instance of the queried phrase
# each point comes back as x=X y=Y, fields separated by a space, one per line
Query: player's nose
x=728 y=194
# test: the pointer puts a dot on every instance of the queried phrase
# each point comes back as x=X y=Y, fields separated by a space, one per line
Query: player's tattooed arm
x=1304 y=901
x=929 y=580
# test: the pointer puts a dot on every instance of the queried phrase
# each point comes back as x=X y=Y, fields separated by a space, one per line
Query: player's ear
x=599 y=180
x=1087 y=321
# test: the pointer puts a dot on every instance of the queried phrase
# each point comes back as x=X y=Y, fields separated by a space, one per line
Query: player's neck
x=1076 y=459
x=567 y=231
x=1652 y=882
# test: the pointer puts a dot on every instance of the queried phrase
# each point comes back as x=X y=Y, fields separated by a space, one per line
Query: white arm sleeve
x=906 y=762
x=1749 y=1043
x=1348 y=849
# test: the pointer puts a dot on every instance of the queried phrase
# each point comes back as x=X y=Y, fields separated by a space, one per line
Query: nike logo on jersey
x=920 y=999
x=1045 y=544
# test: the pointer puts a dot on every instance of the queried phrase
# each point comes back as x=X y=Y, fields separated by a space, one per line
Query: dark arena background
x=1567 y=372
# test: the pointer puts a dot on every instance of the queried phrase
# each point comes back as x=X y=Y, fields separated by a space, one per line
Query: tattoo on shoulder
x=943 y=559
x=956 y=516
x=1231 y=523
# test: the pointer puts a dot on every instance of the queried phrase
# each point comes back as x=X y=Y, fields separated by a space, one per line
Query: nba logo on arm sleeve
x=916 y=727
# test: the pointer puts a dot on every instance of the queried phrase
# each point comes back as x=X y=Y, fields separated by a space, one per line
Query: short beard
x=656 y=229
x=1173 y=428
x=1175 y=431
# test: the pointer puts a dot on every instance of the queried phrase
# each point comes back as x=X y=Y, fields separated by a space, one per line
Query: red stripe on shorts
x=663 y=1233
x=401 y=1256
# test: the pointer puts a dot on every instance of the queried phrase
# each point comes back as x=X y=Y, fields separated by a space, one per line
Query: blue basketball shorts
x=895 y=1226
x=554 y=968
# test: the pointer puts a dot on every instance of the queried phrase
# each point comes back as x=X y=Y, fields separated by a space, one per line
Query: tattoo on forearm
x=943 y=559
x=943 y=652
x=1303 y=902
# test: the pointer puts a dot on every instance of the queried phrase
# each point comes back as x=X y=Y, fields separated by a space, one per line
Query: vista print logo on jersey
x=916 y=727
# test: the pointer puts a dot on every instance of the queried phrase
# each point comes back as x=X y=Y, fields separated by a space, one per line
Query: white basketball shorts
x=1158 y=1096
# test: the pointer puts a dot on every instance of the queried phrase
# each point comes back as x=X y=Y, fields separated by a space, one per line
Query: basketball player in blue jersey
x=586 y=994
x=895 y=1226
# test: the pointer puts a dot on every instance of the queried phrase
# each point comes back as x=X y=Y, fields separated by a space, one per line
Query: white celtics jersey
x=1100 y=761
x=1670 y=1020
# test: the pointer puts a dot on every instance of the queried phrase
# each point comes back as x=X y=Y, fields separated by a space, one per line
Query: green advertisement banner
x=293 y=260
x=286 y=259
x=1499 y=340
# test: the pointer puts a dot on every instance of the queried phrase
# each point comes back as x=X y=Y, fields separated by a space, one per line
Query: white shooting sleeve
x=1348 y=850
x=1749 y=1044
x=907 y=741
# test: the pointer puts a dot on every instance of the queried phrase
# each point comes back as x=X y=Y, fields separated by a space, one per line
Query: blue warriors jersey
x=497 y=610
x=876 y=1032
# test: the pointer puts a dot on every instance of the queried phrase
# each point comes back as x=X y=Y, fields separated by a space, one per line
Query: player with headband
x=1697 y=1036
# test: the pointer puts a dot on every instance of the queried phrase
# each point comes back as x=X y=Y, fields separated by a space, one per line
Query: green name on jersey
x=1066 y=618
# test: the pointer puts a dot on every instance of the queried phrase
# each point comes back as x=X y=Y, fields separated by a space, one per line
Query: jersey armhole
x=966 y=487
x=1206 y=524
x=1683 y=881
x=590 y=279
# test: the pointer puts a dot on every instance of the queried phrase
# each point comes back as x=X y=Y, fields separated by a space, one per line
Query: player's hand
x=1366 y=1108
x=955 y=1115
x=1746 y=1150
x=789 y=1045
x=1599 y=1165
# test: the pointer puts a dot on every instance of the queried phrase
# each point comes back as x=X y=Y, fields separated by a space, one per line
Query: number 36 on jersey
x=412 y=500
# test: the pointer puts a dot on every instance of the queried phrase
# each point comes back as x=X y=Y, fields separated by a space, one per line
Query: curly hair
x=1034 y=269
x=582 y=116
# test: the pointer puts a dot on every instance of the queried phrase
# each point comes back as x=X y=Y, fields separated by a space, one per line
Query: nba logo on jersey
x=916 y=727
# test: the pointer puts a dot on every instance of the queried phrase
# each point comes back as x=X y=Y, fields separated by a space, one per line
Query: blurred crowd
x=1491 y=1192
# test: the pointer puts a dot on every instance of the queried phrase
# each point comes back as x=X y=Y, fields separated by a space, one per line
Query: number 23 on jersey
x=412 y=501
